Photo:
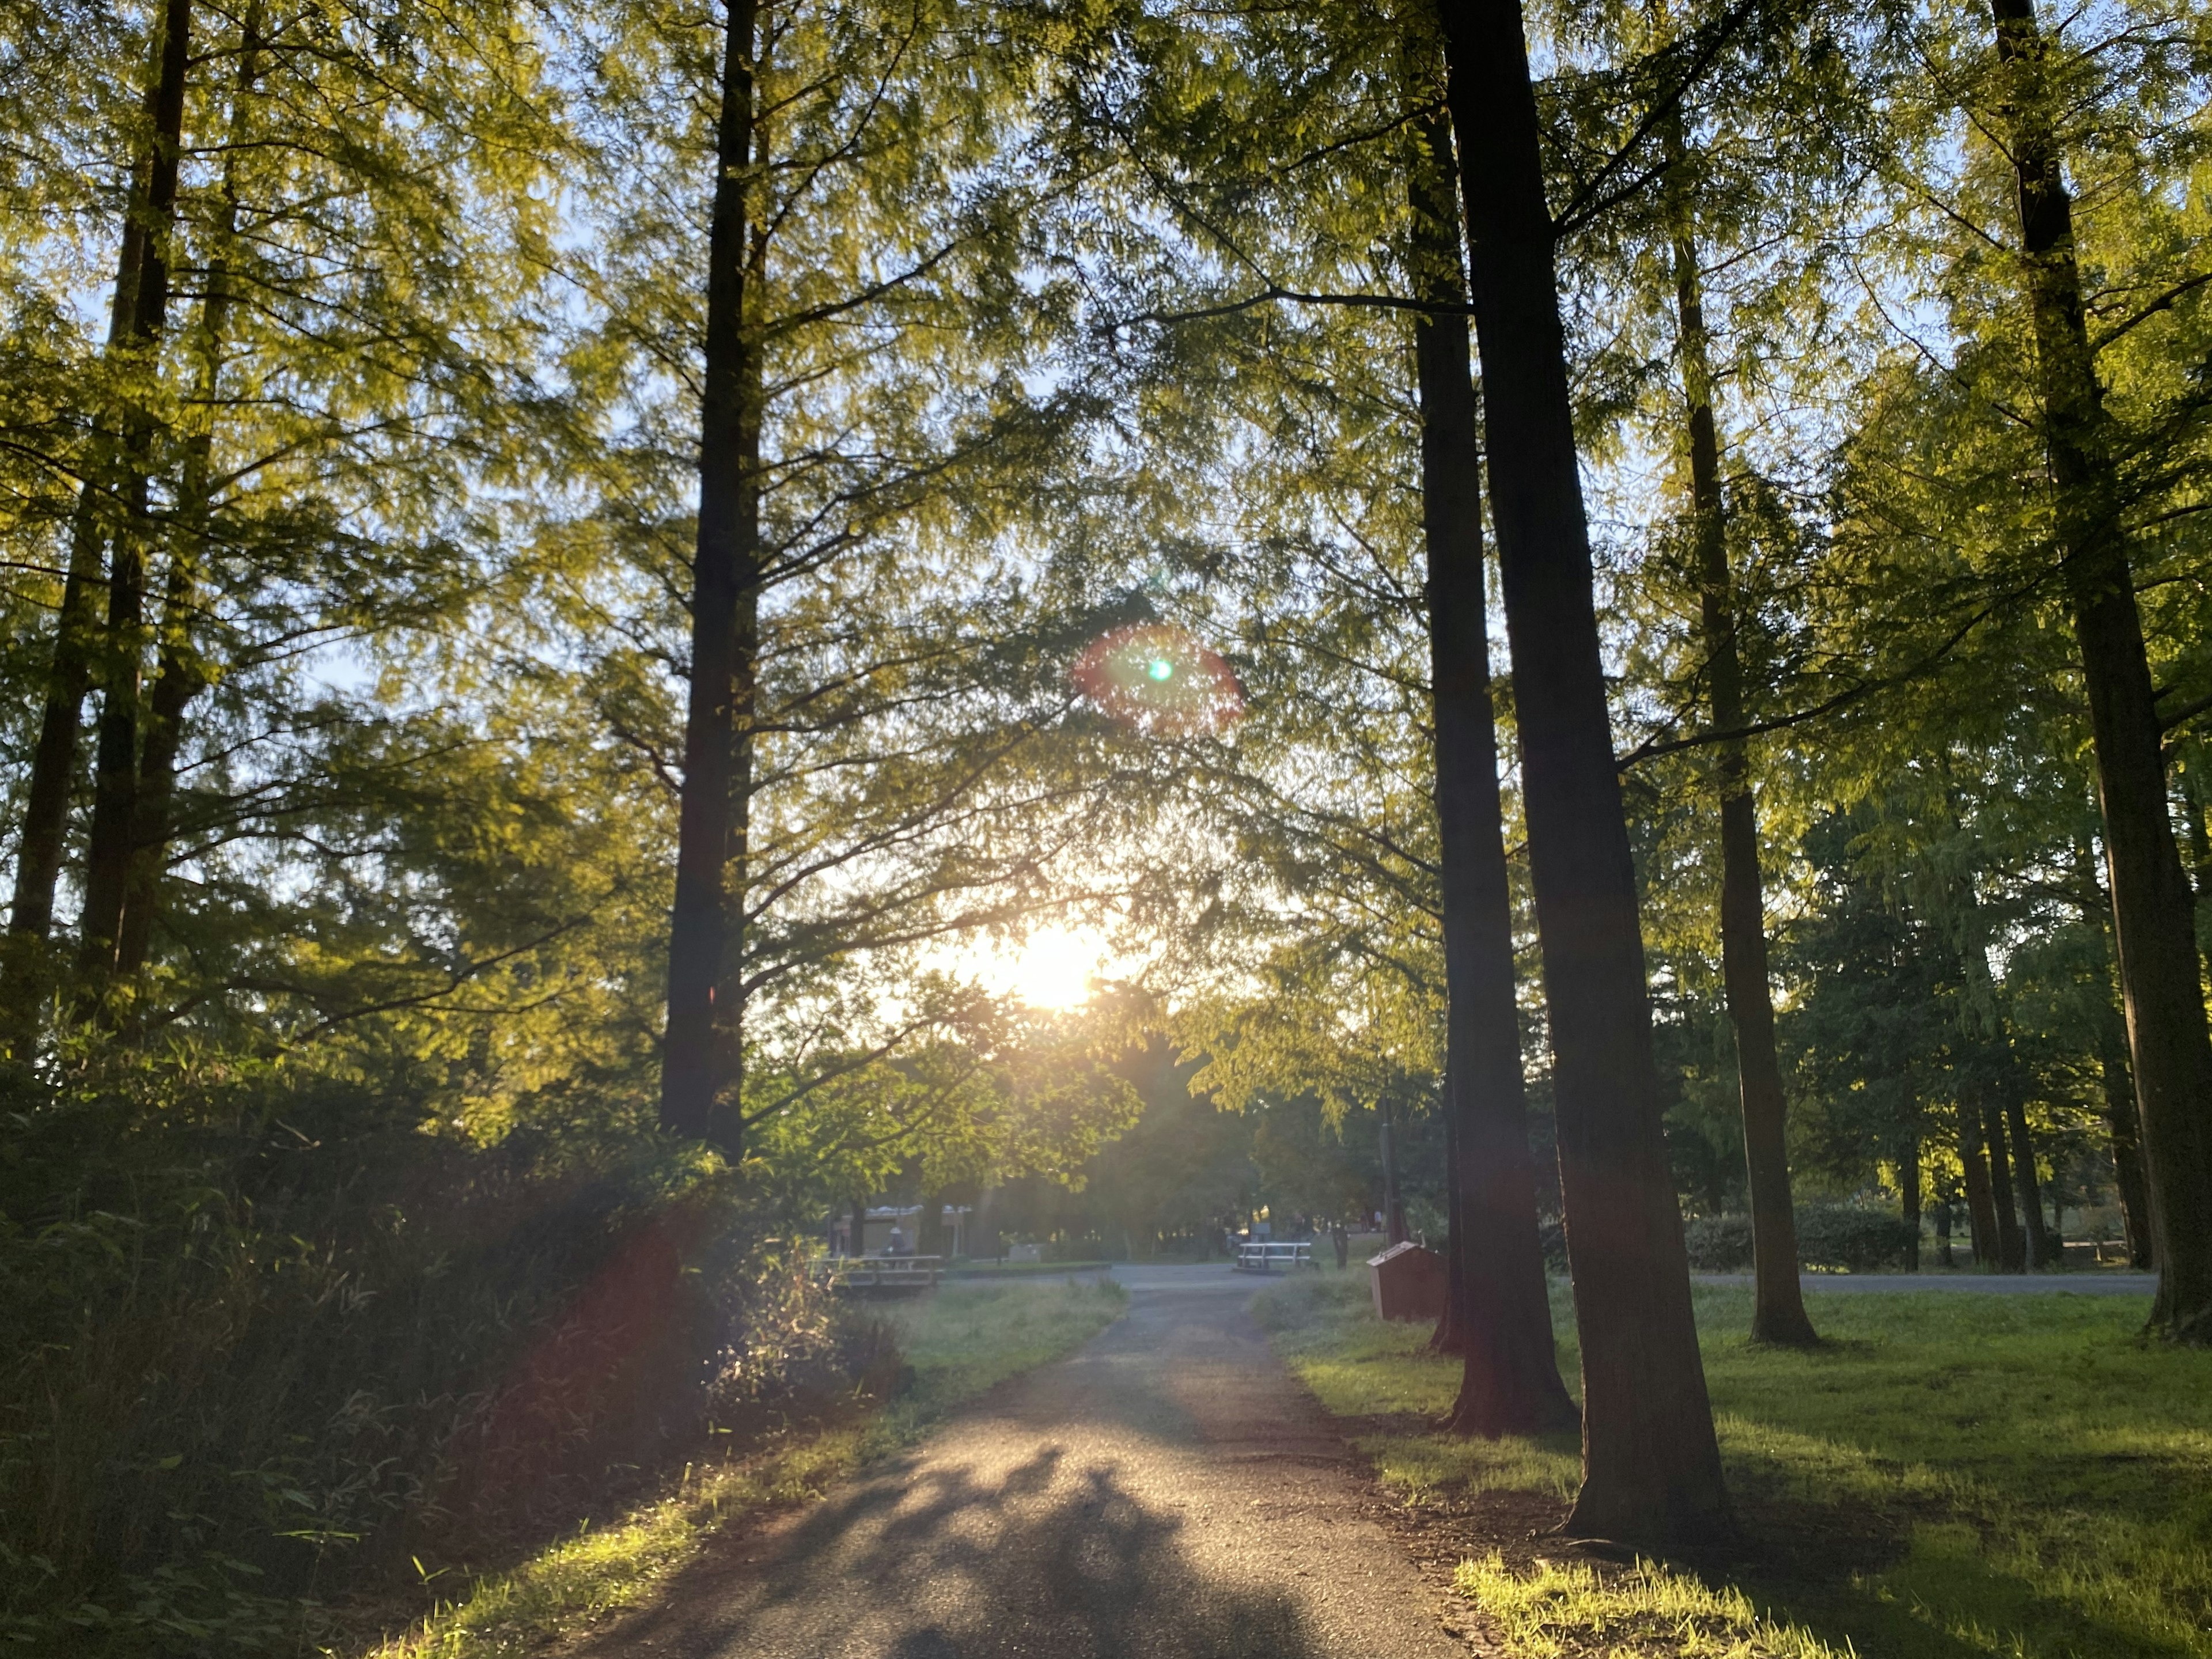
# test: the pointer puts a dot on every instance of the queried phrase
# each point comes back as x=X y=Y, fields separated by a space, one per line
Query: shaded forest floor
x=1948 y=1476
x=954 y=1345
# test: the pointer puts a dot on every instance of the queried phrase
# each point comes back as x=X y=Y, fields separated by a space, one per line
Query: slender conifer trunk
x=1510 y=1381
x=45 y=830
x=2153 y=905
x=2025 y=1181
x=1908 y=1185
x=1650 y=1465
x=1981 y=1205
x=1778 y=1303
x=1395 y=1231
x=2012 y=1248
x=122 y=656
x=2116 y=1078
x=702 y=1051
x=2118 y=1086
x=180 y=674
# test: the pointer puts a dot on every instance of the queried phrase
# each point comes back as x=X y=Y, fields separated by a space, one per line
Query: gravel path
x=1167 y=1492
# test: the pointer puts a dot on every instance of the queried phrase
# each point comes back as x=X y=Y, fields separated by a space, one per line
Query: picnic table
x=1267 y=1256
x=883 y=1273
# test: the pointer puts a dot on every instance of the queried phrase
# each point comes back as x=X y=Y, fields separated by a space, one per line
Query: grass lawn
x=1951 y=1475
x=959 y=1341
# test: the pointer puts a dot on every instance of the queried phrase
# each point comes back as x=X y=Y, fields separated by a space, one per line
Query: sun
x=1053 y=968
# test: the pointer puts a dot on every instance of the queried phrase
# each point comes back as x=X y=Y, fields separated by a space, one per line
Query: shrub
x=276 y=1342
x=1833 y=1238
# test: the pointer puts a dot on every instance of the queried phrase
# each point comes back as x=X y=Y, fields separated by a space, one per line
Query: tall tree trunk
x=1908 y=1187
x=121 y=660
x=2119 y=1092
x=1943 y=1253
x=180 y=674
x=2025 y=1181
x=2115 y=1075
x=2012 y=1250
x=1981 y=1205
x=45 y=830
x=703 y=1052
x=1510 y=1381
x=1778 y=1303
x=2153 y=908
x=1651 y=1466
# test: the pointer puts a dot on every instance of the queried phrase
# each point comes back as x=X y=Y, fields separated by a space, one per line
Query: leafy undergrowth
x=957 y=1343
x=1950 y=1474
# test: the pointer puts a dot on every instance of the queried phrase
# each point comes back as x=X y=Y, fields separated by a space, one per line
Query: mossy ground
x=959 y=1341
x=1949 y=1474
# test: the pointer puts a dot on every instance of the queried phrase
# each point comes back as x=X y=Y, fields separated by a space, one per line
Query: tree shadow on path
x=941 y=1563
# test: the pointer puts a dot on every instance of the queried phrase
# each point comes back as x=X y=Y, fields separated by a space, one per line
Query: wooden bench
x=1266 y=1257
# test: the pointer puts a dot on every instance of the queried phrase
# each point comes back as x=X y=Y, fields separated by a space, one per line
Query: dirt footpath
x=1167 y=1492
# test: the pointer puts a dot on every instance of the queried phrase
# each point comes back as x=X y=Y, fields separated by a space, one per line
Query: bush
x=1831 y=1237
x=276 y=1342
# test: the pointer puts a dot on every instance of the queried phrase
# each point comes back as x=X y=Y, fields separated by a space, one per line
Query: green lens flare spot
x=1160 y=669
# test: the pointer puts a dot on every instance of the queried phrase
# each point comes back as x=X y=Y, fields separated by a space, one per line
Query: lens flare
x=1155 y=677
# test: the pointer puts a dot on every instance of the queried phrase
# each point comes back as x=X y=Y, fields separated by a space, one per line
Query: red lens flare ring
x=1155 y=677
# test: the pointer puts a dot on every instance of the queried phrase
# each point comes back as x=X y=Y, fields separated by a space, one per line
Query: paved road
x=2086 y=1284
x=2082 y=1284
x=2112 y=1283
x=1167 y=1492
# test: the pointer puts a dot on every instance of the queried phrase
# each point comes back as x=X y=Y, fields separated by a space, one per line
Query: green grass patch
x=1950 y=1474
x=1565 y=1609
x=959 y=1341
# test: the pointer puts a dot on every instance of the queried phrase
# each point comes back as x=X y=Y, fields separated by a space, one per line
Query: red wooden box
x=1409 y=1282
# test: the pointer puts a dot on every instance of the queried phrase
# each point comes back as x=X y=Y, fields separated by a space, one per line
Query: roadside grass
x=1572 y=1609
x=956 y=1344
x=1949 y=1474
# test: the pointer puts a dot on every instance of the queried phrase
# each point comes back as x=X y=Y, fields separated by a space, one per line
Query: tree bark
x=121 y=658
x=1778 y=1303
x=702 y=1053
x=2152 y=903
x=1510 y=1383
x=181 y=675
x=1650 y=1465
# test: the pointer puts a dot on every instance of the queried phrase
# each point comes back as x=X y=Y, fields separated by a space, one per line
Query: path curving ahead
x=1167 y=1493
